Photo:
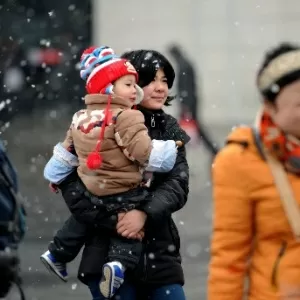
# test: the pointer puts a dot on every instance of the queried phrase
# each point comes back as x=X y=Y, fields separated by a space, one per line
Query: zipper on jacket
x=276 y=265
x=152 y=121
x=145 y=269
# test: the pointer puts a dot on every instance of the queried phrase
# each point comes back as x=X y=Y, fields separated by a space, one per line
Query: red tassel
x=94 y=161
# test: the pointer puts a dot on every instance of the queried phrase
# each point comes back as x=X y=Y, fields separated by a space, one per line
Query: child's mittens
x=163 y=156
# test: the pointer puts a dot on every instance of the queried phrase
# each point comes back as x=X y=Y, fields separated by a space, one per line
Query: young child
x=110 y=146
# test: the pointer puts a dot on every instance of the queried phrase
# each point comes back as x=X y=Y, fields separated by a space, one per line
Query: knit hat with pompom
x=100 y=67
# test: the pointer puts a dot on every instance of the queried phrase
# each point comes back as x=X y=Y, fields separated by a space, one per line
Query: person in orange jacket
x=254 y=254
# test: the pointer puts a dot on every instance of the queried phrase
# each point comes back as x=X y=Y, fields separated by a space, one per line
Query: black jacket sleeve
x=169 y=191
x=81 y=207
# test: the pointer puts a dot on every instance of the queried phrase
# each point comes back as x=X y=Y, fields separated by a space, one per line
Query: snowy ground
x=30 y=143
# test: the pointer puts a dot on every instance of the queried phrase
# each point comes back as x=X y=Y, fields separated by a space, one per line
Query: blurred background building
x=40 y=45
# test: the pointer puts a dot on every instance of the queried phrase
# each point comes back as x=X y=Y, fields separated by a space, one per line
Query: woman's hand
x=140 y=235
x=131 y=224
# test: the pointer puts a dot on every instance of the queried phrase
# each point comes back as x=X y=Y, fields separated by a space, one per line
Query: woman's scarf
x=285 y=147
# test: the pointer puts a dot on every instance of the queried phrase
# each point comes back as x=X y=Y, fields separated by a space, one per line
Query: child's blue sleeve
x=60 y=165
x=162 y=157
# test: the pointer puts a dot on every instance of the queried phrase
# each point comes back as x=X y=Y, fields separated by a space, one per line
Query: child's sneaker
x=112 y=278
x=59 y=269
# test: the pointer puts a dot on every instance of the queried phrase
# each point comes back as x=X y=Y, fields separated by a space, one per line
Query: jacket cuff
x=64 y=156
x=56 y=171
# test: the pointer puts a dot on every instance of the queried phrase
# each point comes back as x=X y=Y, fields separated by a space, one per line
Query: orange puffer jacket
x=254 y=254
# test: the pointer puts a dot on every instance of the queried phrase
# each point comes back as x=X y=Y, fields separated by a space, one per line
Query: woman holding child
x=158 y=273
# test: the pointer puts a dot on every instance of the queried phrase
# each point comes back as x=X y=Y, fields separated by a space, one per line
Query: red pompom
x=94 y=161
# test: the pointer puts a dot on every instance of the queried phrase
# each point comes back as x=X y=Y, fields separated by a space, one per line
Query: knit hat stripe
x=101 y=59
x=90 y=67
x=103 y=51
x=88 y=61
x=100 y=67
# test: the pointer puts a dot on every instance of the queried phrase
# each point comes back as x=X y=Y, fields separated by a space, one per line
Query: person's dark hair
x=147 y=62
x=175 y=51
x=275 y=52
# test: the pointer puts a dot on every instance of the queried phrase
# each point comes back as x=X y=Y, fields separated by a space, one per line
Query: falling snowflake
x=74 y=286
x=193 y=250
x=151 y=255
x=2 y=105
x=53 y=114
x=148 y=55
x=171 y=248
x=71 y=7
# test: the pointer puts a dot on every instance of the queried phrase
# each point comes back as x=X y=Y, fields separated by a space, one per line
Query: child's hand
x=53 y=188
x=179 y=144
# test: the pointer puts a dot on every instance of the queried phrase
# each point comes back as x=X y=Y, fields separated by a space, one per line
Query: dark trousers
x=69 y=240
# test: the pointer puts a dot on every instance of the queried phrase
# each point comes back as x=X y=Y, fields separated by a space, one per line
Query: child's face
x=125 y=87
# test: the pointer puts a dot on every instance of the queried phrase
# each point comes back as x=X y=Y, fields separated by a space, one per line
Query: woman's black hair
x=147 y=62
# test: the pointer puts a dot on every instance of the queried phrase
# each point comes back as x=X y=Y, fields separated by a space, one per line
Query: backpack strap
x=283 y=185
x=287 y=197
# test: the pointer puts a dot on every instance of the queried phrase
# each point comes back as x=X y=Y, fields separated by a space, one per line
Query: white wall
x=226 y=39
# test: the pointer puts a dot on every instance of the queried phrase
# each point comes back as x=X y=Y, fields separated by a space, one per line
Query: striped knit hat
x=100 y=67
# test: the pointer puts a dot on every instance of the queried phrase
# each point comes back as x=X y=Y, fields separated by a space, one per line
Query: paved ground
x=30 y=143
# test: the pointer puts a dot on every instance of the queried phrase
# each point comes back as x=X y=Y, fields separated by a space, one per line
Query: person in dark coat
x=189 y=100
x=159 y=271
x=12 y=226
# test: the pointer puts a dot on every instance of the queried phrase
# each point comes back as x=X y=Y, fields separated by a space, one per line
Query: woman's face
x=286 y=112
x=156 y=92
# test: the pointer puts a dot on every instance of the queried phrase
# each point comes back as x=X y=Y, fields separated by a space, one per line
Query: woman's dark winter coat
x=161 y=262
